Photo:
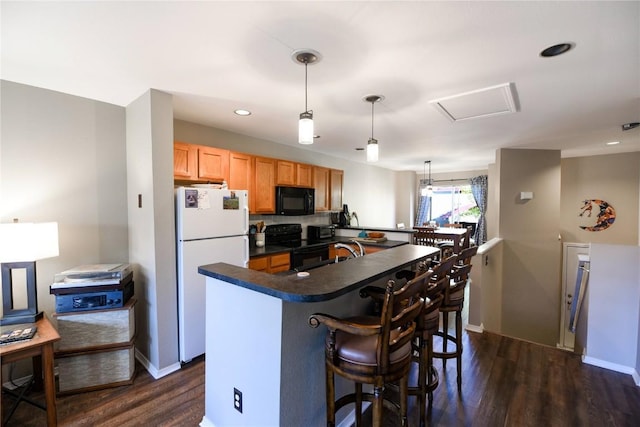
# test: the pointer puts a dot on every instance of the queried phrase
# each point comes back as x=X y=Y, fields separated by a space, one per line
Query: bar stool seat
x=372 y=350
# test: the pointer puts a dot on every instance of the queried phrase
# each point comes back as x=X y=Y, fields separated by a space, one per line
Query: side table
x=40 y=348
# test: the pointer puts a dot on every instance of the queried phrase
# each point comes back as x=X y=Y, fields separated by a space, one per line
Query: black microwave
x=295 y=201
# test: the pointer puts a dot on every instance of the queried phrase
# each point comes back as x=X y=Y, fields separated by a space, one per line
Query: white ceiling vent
x=490 y=101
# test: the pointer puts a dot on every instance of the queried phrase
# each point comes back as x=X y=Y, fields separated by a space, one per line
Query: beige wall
x=531 y=248
x=614 y=178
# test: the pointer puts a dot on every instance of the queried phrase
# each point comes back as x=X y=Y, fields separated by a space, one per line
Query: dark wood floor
x=506 y=382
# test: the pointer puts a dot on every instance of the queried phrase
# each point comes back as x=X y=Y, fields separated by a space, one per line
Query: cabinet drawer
x=280 y=260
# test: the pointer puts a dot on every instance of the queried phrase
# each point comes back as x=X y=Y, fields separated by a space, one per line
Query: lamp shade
x=305 y=128
x=26 y=241
x=372 y=150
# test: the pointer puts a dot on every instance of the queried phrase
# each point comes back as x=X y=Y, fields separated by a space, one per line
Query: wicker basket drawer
x=94 y=370
x=90 y=329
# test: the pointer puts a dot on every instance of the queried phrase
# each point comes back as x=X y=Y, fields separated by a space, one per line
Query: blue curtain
x=479 y=189
x=422 y=214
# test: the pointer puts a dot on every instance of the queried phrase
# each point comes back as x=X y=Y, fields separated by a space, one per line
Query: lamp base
x=21 y=318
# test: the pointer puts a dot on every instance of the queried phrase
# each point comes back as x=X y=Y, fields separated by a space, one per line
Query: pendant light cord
x=372 y=119
x=305 y=85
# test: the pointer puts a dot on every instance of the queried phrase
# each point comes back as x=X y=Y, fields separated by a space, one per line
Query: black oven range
x=304 y=253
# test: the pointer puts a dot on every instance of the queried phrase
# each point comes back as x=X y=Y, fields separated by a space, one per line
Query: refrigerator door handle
x=246 y=219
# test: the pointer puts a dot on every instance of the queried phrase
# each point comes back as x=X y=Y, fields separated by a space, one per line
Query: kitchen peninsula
x=259 y=341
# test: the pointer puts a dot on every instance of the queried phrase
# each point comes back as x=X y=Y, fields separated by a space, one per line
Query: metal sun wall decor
x=606 y=214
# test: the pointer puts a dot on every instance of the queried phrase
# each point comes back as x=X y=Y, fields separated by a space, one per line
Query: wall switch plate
x=526 y=195
x=237 y=399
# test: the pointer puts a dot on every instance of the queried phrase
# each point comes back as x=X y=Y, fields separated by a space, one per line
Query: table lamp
x=21 y=245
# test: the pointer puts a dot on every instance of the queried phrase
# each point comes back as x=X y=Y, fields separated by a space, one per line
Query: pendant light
x=372 y=145
x=305 y=125
x=428 y=190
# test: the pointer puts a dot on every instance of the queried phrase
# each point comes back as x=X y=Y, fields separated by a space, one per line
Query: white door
x=569 y=273
x=191 y=286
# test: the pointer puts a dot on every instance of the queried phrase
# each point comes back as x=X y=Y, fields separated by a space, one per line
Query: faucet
x=350 y=249
x=347 y=247
x=360 y=247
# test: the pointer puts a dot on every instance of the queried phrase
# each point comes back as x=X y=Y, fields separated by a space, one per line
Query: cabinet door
x=264 y=185
x=259 y=264
x=286 y=173
x=336 y=190
x=185 y=161
x=321 y=184
x=213 y=164
x=241 y=174
x=304 y=175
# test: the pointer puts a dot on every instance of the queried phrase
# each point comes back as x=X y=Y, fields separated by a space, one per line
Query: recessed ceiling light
x=556 y=50
x=613 y=143
x=242 y=112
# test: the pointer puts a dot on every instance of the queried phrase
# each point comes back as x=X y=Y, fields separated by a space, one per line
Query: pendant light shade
x=372 y=150
x=372 y=145
x=305 y=125
x=428 y=189
x=305 y=128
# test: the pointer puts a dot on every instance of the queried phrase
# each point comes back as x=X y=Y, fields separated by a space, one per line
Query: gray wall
x=63 y=158
x=151 y=229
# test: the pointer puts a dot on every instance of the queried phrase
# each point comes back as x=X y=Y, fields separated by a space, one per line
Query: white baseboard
x=206 y=423
x=155 y=372
x=474 y=328
x=608 y=365
x=636 y=377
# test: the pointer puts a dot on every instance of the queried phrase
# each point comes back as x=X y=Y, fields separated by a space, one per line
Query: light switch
x=526 y=195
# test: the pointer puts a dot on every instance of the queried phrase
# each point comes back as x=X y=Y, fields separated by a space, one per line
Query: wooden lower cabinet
x=271 y=263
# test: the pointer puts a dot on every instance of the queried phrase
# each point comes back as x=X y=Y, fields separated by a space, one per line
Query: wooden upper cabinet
x=213 y=164
x=321 y=184
x=264 y=185
x=336 y=189
x=241 y=174
x=286 y=172
x=304 y=175
x=185 y=161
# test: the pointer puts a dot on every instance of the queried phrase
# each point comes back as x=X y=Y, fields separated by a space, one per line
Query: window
x=453 y=203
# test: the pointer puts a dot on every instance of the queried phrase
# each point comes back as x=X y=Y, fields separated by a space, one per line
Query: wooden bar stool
x=454 y=302
x=372 y=350
x=426 y=326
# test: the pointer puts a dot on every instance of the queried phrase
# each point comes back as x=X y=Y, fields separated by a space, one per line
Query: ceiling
x=215 y=57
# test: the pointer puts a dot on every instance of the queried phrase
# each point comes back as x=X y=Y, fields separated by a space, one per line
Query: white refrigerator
x=212 y=225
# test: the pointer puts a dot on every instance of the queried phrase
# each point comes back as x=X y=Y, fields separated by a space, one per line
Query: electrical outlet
x=237 y=399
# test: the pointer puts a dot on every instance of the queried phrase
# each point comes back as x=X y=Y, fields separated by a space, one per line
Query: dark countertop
x=323 y=283
x=255 y=251
x=389 y=230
